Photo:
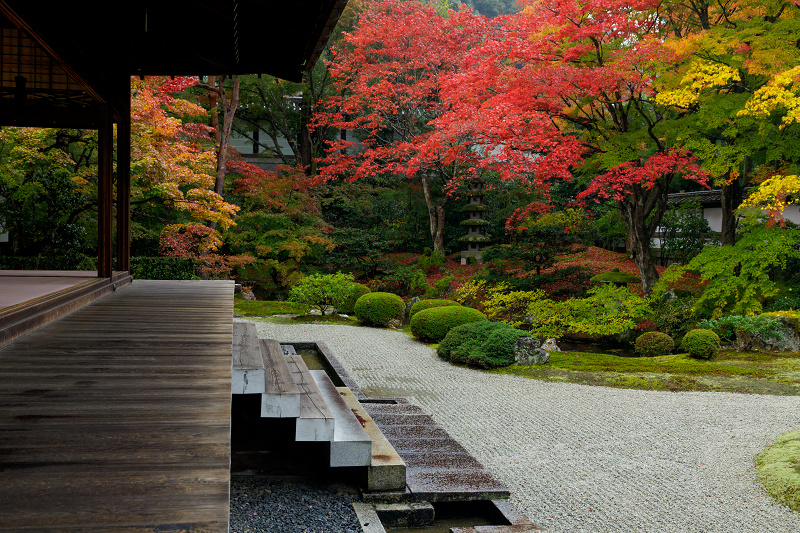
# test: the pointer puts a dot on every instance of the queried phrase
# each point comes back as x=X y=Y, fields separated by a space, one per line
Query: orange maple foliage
x=173 y=162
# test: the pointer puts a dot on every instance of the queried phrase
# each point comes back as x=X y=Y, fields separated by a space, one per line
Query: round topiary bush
x=357 y=291
x=481 y=344
x=429 y=304
x=701 y=343
x=378 y=308
x=433 y=324
x=653 y=344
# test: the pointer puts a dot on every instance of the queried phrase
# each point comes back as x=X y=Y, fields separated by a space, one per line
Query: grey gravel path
x=580 y=458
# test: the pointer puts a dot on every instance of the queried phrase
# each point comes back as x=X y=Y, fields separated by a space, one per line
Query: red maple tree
x=388 y=76
x=565 y=88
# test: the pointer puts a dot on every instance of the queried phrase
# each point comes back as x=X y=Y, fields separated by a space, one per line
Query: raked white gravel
x=579 y=458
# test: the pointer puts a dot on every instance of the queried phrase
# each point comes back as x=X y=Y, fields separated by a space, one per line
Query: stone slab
x=406 y=515
x=438 y=468
x=446 y=461
x=351 y=445
x=395 y=408
x=438 y=484
x=368 y=518
x=415 y=432
x=516 y=528
x=428 y=446
x=400 y=419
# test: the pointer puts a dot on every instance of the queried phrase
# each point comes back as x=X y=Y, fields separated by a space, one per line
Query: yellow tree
x=730 y=53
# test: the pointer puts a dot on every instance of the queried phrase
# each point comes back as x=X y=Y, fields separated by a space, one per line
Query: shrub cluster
x=429 y=304
x=434 y=323
x=162 y=268
x=357 y=290
x=378 y=308
x=653 y=344
x=483 y=344
x=326 y=292
x=701 y=343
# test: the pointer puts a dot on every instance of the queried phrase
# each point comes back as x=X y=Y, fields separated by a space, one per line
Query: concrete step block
x=387 y=471
x=351 y=445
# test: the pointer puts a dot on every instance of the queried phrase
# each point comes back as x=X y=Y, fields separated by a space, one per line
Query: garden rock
x=549 y=345
x=410 y=304
x=528 y=351
x=790 y=342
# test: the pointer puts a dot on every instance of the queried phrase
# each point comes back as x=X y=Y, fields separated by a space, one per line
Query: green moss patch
x=729 y=371
x=778 y=469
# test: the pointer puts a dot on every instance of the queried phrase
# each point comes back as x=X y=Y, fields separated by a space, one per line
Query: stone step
x=316 y=421
x=438 y=468
x=387 y=471
x=351 y=445
x=282 y=395
x=516 y=528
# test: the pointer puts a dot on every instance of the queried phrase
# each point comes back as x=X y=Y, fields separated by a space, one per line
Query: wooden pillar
x=105 y=193
x=124 y=195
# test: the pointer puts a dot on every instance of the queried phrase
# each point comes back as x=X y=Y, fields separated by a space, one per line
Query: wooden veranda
x=118 y=416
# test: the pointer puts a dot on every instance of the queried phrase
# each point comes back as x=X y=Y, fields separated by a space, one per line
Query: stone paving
x=579 y=458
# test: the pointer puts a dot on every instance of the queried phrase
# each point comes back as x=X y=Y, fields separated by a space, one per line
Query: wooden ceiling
x=75 y=55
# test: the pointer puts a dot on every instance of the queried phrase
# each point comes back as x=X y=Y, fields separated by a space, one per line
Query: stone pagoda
x=476 y=238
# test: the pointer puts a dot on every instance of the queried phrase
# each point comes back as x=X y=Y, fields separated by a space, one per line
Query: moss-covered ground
x=778 y=469
x=729 y=371
x=285 y=313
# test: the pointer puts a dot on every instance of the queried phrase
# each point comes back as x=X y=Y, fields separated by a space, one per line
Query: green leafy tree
x=739 y=276
x=684 y=233
x=325 y=292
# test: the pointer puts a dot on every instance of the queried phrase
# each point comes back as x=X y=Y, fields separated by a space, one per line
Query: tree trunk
x=436 y=213
x=306 y=155
x=228 y=112
x=731 y=200
x=223 y=133
x=634 y=212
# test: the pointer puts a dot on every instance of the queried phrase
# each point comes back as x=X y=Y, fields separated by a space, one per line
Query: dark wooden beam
x=38 y=116
x=124 y=196
x=124 y=178
x=105 y=193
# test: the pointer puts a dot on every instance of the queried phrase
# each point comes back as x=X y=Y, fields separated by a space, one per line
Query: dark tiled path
x=118 y=416
x=438 y=468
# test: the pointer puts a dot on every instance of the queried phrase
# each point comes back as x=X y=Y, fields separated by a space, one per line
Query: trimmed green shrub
x=482 y=344
x=745 y=330
x=701 y=343
x=433 y=324
x=429 y=304
x=323 y=291
x=378 y=308
x=653 y=344
x=357 y=290
x=165 y=267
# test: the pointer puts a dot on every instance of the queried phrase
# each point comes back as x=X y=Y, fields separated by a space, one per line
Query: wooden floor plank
x=118 y=416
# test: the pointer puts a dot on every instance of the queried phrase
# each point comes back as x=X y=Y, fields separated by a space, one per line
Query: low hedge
x=349 y=304
x=701 y=343
x=481 y=344
x=378 y=308
x=433 y=324
x=653 y=344
x=429 y=304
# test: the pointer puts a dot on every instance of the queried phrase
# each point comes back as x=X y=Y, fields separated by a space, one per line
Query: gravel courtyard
x=579 y=458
